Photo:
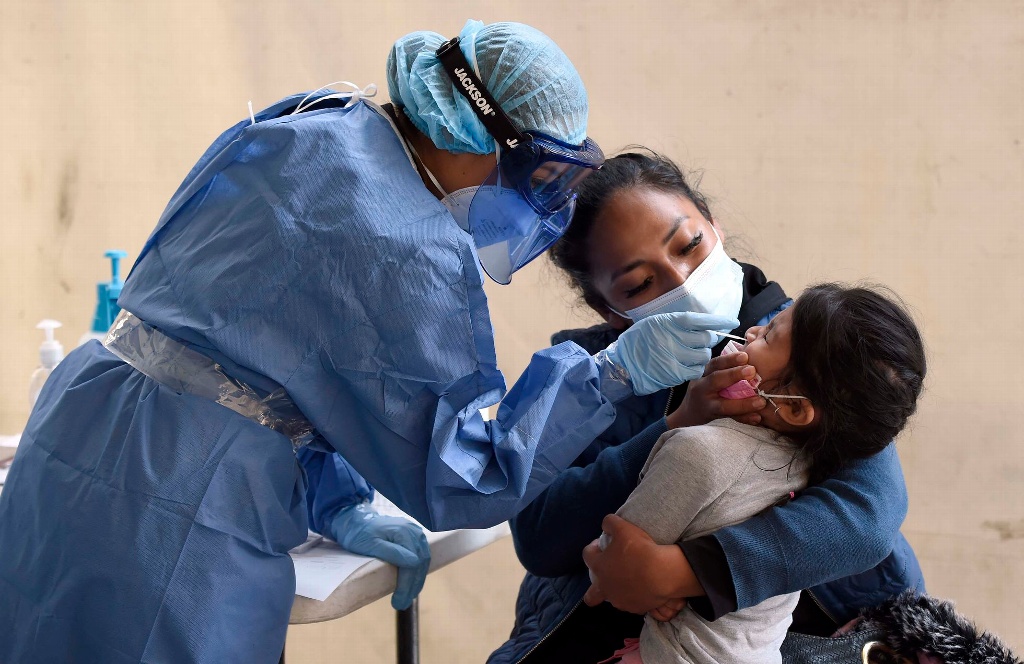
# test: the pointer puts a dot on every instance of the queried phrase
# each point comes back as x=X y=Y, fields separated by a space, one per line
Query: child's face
x=768 y=350
x=769 y=347
x=644 y=243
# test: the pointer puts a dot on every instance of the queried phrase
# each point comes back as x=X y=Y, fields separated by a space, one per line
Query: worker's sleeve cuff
x=615 y=383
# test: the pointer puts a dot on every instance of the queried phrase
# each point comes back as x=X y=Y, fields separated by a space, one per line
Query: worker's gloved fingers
x=411 y=579
x=665 y=350
x=695 y=320
x=687 y=330
x=409 y=536
x=680 y=339
x=422 y=547
x=410 y=583
x=361 y=530
x=396 y=554
x=687 y=369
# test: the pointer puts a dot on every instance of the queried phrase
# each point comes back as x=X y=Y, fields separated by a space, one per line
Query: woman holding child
x=642 y=242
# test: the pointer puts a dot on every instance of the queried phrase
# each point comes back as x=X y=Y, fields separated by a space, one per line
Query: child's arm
x=550 y=532
x=687 y=471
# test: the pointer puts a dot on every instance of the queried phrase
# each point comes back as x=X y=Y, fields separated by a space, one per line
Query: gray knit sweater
x=697 y=480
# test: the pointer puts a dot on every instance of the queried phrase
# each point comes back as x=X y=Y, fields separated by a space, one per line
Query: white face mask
x=715 y=287
x=458 y=202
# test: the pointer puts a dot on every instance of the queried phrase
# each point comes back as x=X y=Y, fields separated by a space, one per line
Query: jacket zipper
x=560 y=622
x=668 y=404
x=822 y=607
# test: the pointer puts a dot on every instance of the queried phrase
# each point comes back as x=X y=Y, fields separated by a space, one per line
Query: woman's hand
x=702 y=403
x=636 y=574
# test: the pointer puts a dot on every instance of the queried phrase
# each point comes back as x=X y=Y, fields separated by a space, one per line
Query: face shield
x=527 y=201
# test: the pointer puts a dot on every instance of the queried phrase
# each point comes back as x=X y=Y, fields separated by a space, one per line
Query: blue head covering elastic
x=530 y=77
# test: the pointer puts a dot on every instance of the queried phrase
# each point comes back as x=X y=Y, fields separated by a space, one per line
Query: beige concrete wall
x=841 y=140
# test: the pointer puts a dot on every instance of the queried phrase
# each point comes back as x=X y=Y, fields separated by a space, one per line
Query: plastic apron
x=140 y=524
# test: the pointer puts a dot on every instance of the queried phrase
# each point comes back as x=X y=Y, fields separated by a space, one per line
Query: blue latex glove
x=359 y=529
x=665 y=350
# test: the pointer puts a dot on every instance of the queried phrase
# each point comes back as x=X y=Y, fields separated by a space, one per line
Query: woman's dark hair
x=859 y=358
x=641 y=168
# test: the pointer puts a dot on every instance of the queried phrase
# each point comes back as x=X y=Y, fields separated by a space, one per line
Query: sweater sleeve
x=331 y=485
x=550 y=534
x=843 y=526
x=707 y=560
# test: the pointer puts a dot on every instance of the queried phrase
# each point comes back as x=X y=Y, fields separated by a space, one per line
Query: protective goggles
x=527 y=202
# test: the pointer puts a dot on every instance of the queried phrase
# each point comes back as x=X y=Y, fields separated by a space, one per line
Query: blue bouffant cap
x=526 y=73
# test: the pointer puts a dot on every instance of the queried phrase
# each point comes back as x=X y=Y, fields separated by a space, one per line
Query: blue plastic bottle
x=107 y=293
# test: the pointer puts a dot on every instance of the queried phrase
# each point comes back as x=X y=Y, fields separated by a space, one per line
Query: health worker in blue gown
x=309 y=317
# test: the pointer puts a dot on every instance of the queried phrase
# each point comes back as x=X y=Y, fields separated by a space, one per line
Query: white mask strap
x=768 y=397
x=617 y=312
x=779 y=396
x=426 y=170
x=353 y=96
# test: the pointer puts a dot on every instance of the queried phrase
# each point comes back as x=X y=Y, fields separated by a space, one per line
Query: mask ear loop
x=768 y=397
x=497 y=167
x=617 y=312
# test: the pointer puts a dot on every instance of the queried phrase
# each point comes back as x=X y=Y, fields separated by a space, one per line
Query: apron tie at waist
x=186 y=371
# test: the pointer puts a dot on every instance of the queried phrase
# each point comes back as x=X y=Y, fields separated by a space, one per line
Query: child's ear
x=796 y=412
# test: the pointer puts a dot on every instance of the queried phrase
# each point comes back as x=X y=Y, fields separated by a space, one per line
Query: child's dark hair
x=859 y=358
x=641 y=168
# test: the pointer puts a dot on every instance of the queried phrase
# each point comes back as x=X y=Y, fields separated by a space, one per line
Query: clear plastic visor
x=527 y=202
x=509 y=231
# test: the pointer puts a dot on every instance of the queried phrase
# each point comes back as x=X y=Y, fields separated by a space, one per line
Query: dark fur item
x=918 y=623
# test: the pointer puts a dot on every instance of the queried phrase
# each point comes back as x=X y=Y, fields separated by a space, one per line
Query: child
x=841 y=371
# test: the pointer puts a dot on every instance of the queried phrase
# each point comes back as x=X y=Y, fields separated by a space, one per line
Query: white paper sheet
x=10 y=441
x=322 y=568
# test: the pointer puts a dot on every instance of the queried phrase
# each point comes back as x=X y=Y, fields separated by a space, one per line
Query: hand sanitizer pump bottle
x=106 y=296
x=50 y=353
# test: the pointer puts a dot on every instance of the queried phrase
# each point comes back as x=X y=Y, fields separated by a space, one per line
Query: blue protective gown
x=143 y=525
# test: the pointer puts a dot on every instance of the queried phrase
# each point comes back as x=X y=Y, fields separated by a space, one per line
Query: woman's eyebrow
x=675 y=227
x=668 y=237
x=626 y=268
